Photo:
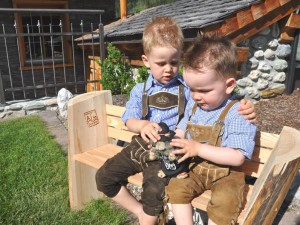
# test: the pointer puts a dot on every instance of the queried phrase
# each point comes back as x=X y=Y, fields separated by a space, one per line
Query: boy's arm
x=219 y=155
x=246 y=109
x=147 y=129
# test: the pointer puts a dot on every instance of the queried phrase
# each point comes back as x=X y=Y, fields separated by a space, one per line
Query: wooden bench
x=94 y=125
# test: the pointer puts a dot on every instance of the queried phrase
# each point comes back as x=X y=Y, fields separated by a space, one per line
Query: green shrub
x=142 y=75
x=116 y=72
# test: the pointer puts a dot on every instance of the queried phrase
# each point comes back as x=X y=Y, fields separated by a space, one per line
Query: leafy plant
x=116 y=72
x=142 y=74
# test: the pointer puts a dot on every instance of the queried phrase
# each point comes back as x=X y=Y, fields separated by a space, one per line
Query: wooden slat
x=288 y=32
x=258 y=11
x=244 y=17
x=252 y=168
x=114 y=110
x=293 y=21
x=266 y=140
x=136 y=62
x=120 y=134
x=242 y=54
x=282 y=2
x=97 y=157
x=116 y=122
x=261 y=155
x=230 y=25
x=238 y=34
x=271 y=5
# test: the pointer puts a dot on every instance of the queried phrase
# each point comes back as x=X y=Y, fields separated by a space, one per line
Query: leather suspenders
x=164 y=100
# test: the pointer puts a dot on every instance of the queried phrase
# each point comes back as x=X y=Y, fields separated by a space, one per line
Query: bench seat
x=94 y=125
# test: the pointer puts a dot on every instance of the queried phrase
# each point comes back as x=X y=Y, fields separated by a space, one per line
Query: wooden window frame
x=44 y=4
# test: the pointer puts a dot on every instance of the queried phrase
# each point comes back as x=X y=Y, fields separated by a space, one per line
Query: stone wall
x=264 y=74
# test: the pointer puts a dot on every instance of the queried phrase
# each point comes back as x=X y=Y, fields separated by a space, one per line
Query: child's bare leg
x=125 y=199
x=210 y=222
x=183 y=214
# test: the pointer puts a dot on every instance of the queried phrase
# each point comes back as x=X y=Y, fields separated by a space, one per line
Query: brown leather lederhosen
x=226 y=193
x=211 y=135
x=164 y=100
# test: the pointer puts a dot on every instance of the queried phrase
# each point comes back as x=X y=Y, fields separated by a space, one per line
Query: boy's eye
x=175 y=63
x=161 y=64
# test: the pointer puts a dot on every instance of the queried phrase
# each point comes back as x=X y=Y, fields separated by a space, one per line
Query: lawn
x=34 y=180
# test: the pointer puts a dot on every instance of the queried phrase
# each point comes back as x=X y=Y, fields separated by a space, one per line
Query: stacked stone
x=264 y=74
x=20 y=108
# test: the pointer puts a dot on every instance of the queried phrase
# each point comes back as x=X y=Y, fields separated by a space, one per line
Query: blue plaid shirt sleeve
x=134 y=105
x=239 y=133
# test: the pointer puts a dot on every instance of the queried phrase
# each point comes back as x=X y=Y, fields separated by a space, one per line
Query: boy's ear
x=230 y=85
x=145 y=61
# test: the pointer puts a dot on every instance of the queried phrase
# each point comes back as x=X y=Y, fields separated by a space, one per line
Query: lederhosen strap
x=215 y=138
x=163 y=100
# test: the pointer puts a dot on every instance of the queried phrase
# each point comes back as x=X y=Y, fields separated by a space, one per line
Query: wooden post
x=123 y=9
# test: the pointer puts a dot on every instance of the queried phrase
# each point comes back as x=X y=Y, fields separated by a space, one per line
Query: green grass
x=34 y=180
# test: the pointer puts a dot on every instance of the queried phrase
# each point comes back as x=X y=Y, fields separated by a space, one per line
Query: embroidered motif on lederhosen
x=164 y=100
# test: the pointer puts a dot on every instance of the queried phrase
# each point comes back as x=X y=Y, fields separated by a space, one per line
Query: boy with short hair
x=218 y=138
x=162 y=98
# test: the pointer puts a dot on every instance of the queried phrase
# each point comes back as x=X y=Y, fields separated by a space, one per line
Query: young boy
x=218 y=138
x=162 y=98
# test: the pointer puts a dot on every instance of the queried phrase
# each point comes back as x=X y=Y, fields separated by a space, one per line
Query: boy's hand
x=246 y=109
x=187 y=148
x=149 y=132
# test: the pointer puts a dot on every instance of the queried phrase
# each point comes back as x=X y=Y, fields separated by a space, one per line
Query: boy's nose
x=169 y=68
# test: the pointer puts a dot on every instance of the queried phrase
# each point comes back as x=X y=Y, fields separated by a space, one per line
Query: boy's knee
x=178 y=192
x=152 y=197
x=106 y=184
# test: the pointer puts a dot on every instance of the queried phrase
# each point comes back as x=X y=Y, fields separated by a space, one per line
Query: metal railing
x=26 y=71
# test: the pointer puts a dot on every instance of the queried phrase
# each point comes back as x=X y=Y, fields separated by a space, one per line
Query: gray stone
x=35 y=105
x=51 y=102
x=259 y=54
x=269 y=54
x=279 y=77
x=252 y=93
x=267 y=76
x=254 y=75
x=63 y=98
x=264 y=67
x=262 y=84
x=280 y=65
x=265 y=31
x=16 y=107
x=245 y=82
x=258 y=42
x=275 y=31
x=283 y=51
x=253 y=63
x=273 y=44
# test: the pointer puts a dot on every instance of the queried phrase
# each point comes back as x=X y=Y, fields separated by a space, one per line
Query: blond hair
x=214 y=52
x=162 y=31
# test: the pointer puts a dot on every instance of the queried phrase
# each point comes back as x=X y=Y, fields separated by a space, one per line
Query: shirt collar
x=151 y=82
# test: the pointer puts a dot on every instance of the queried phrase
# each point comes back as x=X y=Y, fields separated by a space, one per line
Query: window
x=43 y=41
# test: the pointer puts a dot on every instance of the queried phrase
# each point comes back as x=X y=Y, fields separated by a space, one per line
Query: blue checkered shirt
x=168 y=116
x=238 y=132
